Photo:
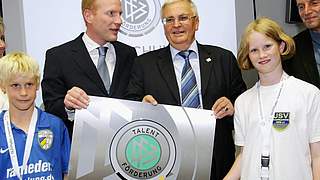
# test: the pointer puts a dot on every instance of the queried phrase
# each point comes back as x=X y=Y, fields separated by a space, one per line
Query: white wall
x=244 y=15
x=14 y=25
x=276 y=9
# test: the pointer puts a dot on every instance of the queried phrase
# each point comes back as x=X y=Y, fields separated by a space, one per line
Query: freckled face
x=264 y=53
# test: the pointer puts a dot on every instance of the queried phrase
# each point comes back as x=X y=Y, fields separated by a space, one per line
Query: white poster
x=117 y=139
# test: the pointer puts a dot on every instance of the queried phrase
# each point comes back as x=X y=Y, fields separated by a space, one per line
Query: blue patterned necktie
x=102 y=67
x=189 y=88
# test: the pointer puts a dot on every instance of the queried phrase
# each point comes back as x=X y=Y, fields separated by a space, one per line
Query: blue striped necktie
x=189 y=88
x=102 y=67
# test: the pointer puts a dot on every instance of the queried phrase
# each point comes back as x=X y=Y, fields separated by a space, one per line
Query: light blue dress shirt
x=316 y=47
x=178 y=63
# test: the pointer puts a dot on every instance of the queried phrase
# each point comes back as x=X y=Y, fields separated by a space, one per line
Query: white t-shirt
x=289 y=145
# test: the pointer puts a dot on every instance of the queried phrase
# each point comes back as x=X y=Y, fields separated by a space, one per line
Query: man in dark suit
x=159 y=77
x=70 y=72
x=305 y=64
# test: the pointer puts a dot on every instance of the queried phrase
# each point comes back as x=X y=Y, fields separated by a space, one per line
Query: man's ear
x=197 y=23
x=88 y=15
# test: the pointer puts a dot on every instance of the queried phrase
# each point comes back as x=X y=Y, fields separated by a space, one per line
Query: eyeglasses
x=181 y=19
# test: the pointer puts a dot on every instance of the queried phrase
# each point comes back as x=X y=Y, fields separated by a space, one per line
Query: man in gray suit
x=70 y=72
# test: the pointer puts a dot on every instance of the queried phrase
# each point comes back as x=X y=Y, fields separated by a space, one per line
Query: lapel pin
x=208 y=59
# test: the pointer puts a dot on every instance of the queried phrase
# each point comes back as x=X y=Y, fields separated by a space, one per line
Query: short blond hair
x=269 y=28
x=169 y=2
x=17 y=63
x=87 y=4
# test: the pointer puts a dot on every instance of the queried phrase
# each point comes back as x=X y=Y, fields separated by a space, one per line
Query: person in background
x=33 y=143
x=94 y=63
x=305 y=64
x=189 y=74
x=2 y=40
x=277 y=121
x=3 y=97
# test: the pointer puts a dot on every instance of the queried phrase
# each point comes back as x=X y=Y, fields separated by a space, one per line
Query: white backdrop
x=34 y=26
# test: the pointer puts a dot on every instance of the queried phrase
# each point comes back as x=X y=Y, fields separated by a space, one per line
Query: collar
x=41 y=124
x=90 y=44
x=2 y=122
x=193 y=47
x=315 y=36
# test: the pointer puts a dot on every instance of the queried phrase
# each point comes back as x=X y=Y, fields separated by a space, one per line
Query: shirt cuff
x=70 y=113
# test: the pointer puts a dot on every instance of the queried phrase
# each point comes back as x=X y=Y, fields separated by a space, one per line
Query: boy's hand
x=76 y=98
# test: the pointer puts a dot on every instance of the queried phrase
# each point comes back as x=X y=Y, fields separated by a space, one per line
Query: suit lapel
x=206 y=61
x=118 y=67
x=167 y=72
x=83 y=60
x=308 y=58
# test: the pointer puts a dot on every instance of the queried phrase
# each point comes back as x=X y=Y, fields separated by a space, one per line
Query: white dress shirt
x=94 y=53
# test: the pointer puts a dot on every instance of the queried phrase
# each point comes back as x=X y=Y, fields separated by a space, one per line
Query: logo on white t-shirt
x=281 y=120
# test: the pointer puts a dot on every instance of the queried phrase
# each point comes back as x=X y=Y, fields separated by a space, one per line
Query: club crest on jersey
x=281 y=120
x=45 y=139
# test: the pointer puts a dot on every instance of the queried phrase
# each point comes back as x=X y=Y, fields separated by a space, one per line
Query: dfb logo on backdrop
x=140 y=17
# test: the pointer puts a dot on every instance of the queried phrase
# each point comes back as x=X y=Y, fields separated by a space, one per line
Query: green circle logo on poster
x=143 y=152
x=142 y=149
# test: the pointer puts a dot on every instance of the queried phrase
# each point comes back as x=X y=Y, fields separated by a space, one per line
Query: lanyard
x=11 y=143
x=266 y=130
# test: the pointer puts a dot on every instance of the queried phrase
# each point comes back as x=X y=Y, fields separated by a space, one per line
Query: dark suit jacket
x=70 y=65
x=303 y=65
x=153 y=73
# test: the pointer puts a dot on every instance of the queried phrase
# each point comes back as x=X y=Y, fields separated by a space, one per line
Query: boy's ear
x=3 y=90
